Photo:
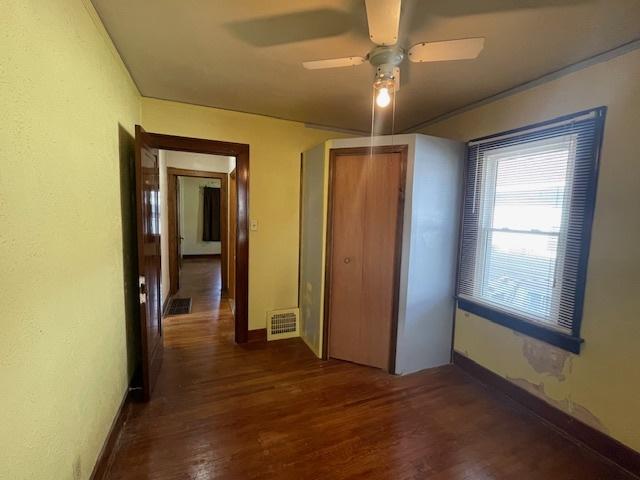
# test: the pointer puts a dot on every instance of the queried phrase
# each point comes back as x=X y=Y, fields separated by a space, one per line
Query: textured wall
x=601 y=386
x=68 y=107
x=274 y=187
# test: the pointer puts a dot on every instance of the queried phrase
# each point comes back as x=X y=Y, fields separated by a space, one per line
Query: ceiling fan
x=383 y=18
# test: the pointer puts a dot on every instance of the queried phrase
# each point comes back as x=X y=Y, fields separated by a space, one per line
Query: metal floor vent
x=179 y=306
x=283 y=324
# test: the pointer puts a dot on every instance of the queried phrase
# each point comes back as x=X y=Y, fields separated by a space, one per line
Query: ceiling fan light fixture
x=386 y=83
x=383 y=98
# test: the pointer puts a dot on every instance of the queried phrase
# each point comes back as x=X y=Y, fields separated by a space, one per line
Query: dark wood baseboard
x=201 y=256
x=599 y=442
x=259 y=335
x=103 y=463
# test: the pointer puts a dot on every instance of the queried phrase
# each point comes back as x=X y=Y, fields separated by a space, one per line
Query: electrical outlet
x=254 y=225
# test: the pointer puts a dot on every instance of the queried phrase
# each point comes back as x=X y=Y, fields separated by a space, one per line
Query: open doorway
x=196 y=260
x=152 y=232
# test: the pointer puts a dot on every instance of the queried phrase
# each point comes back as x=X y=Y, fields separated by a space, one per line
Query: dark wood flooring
x=274 y=411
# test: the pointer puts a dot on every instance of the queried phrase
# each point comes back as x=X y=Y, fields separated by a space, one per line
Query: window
x=528 y=209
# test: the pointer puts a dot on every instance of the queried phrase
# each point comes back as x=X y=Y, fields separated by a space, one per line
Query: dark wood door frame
x=333 y=154
x=172 y=222
x=241 y=153
x=231 y=292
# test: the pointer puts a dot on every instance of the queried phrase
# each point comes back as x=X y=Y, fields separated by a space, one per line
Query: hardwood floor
x=274 y=411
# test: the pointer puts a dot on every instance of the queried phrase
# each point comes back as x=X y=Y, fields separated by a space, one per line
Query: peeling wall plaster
x=545 y=358
x=566 y=405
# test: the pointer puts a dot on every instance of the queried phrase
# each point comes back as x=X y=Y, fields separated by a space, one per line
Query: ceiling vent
x=283 y=324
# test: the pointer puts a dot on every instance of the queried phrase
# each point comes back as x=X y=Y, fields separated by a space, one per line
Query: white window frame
x=486 y=229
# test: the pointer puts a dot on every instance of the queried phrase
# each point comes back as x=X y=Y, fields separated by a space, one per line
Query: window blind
x=527 y=214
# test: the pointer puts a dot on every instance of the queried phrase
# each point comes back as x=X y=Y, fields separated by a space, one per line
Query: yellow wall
x=274 y=187
x=63 y=355
x=601 y=386
x=68 y=109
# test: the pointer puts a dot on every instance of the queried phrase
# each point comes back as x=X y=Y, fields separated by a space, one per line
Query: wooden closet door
x=366 y=201
x=347 y=232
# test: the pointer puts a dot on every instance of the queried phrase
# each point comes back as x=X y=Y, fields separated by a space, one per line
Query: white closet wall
x=433 y=196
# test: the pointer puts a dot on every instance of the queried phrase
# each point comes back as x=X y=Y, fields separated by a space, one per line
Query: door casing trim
x=241 y=153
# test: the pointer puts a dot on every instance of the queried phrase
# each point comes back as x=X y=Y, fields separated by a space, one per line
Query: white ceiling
x=237 y=55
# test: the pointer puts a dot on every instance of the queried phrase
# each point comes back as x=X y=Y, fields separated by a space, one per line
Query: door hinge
x=143 y=289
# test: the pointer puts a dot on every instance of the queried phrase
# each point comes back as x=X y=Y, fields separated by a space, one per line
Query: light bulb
x=383 y=99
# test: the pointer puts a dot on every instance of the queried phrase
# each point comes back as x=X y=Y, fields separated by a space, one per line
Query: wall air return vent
x=283 y=324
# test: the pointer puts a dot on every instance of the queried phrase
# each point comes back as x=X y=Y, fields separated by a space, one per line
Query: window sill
x=548 y=335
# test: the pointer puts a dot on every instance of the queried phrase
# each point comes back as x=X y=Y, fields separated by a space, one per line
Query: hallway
x=200 y=279
x=274 y=411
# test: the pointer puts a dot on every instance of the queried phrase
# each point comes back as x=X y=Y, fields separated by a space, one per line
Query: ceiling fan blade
x=383 y=17
x=333 y=63
x=463 y=49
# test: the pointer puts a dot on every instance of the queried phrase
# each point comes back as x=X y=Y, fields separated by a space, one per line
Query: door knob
x=347 y=260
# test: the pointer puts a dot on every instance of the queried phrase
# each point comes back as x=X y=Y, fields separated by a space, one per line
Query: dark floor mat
x=180 y=306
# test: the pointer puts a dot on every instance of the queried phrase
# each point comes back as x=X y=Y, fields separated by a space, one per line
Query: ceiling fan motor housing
x=386 y=60
x=386 y=56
